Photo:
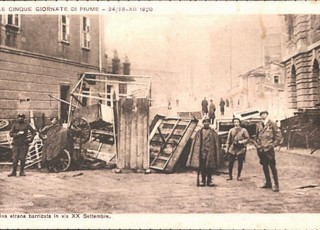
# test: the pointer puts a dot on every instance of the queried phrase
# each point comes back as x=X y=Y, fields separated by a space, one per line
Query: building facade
x=302 y=60
x=43 y=55
x=263 y=89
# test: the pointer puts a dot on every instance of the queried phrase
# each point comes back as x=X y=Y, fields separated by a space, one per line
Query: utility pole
x=100 y=43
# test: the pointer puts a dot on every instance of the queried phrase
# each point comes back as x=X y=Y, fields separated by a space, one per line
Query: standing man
x=237 y=139
x=268 y=137
x=222 y=103
x=204 y=153
x=204 y=107
x=19 y=131
x=227 y=102
x=47 y=134
x=212 y=110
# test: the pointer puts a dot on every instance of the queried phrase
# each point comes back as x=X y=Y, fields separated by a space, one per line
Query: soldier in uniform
x=237 y=139
x=268 y=136
x=19 y=131
x=204 y=152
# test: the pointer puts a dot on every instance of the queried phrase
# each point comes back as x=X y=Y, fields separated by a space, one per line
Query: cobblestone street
x=103 y=191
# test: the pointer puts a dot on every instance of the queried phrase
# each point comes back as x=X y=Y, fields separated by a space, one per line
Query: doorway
x=64 y=107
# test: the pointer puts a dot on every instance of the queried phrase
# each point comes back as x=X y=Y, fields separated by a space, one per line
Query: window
x=64 y=28
x=122 y=88
x=85 y=33
x=12 y=20
x=109 y=93
x=276 y=80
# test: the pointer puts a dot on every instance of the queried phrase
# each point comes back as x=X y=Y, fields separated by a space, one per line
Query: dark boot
x=276 y=186
x=22 y=164
x=209 y=181
x=231 y=163
x=240 y=166
x=267 y=177
x=203 y=180
x=14 y=169
x=275 y=178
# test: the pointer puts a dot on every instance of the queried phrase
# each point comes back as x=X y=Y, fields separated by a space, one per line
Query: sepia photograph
x=160 y=115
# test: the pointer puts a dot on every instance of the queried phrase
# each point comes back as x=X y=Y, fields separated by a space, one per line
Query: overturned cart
x=103 y=110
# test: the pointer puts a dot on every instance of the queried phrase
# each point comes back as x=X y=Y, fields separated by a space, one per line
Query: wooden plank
x=122 y=134
x=180 y=147
x=140 y=149
x=128 y=137
x=145 y=132
x=163 y=158
x=178 y=142
x=134 y=141
x=141 y=132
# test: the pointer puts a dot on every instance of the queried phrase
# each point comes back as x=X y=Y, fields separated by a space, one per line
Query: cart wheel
x=3 y=123
x=63 y=162
x=80 y=130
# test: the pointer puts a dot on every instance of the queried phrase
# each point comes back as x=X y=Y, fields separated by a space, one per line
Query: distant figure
x=204 y=106
x=177 y=102
x=227 y=103
x=231 y=103
x=19 y=132
x=222 y=104
x=203 y=154
x=212 y=110
x=169 y=104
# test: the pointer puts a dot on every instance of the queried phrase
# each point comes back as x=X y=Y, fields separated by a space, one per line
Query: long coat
x=204 y=106
x=212 y=109
x=213 y=156
x=58 y=138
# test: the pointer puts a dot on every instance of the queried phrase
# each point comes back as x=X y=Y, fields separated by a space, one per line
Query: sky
x=210 y=51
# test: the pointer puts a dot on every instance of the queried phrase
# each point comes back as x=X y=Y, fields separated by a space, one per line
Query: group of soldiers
x=206 y=147
x=204 y=150
x=209 y=109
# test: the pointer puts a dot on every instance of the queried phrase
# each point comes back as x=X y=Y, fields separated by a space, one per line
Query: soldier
x=19 y=131
x=47 y=133
x=204 y=152
x=237 y=139
x=212 y=110
x=204 y=107
x=268 y=136
x=222 y=104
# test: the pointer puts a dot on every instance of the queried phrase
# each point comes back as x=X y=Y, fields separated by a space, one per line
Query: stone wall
x=302 y=63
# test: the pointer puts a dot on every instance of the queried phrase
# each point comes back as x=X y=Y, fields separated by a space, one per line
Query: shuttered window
x=85 y=32
x=65 y=28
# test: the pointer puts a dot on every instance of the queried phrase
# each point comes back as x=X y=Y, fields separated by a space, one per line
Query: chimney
x=126 y=66
x=115 y=63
